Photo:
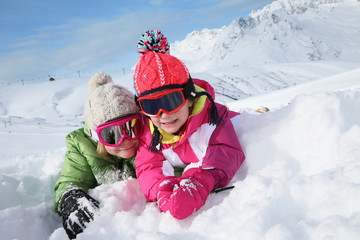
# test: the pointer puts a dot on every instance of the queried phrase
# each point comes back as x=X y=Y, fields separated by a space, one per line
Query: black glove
x=77 y=209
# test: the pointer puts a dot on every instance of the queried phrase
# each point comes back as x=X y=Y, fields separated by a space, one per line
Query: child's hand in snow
x=77 y=209
x=193 y=190
x=166 y=188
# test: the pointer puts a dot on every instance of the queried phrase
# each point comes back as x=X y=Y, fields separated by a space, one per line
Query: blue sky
x=44 y=37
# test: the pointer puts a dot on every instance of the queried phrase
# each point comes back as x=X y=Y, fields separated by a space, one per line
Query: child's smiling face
x=172 y=123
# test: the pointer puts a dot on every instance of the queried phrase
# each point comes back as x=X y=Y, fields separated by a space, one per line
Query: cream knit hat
x=107 y=101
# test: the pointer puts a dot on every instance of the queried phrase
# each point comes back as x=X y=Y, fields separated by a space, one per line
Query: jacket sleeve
x=76 y=172
x=148 y=167
x=224 y=154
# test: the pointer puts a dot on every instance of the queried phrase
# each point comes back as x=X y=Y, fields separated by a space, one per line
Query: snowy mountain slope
x=52 y=108
x=283 y=31
x=296 y=32
x=285 y=96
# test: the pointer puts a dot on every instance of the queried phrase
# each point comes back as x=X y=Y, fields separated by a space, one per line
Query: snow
x=300 y=180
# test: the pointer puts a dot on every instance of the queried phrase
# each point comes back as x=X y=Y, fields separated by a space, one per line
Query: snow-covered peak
x=289 y=6
x=283 y=31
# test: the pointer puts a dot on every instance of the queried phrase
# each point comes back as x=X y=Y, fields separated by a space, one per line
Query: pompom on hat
x=153 y=40
x=107 y=101
x=157 y=70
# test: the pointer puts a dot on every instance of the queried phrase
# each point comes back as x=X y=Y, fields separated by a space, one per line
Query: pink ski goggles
x=114 y=132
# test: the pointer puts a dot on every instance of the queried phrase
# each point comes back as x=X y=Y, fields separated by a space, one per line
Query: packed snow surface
x=300 y=179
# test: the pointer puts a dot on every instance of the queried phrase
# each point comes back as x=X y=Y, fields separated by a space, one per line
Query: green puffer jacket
x=84 y=168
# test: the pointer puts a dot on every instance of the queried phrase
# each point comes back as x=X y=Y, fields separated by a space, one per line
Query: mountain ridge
x=248 y=53
x=285 y=23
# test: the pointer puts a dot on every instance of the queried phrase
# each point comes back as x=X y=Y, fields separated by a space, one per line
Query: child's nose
x=164 y=115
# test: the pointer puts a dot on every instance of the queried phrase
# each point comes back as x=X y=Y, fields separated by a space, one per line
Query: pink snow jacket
x=202 y=146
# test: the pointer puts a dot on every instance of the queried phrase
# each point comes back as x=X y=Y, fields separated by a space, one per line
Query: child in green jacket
x=101 y=152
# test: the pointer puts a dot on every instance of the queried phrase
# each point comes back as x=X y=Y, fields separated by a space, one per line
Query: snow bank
x=300 y=181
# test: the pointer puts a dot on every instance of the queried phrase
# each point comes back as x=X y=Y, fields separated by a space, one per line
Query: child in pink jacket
x=189 y=146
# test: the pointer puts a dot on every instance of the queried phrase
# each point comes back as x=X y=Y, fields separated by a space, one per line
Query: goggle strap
x=188 y=89
x=137 y=103
x=128 y=118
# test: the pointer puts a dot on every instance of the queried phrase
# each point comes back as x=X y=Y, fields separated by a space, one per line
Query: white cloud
x=83 y=43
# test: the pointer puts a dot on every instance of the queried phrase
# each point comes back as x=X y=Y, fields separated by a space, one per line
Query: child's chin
x=128 y=154
x=170 y=130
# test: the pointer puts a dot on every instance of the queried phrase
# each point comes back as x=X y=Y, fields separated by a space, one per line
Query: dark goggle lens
x=168 y=102
x=114 y=134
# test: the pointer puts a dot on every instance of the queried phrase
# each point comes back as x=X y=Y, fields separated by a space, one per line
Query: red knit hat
x=158 y=71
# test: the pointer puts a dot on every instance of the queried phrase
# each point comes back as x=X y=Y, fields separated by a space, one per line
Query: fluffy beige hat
x=107 y=101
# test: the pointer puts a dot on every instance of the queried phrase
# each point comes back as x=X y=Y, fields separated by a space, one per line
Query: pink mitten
x=192 y=193
x=166 y=188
